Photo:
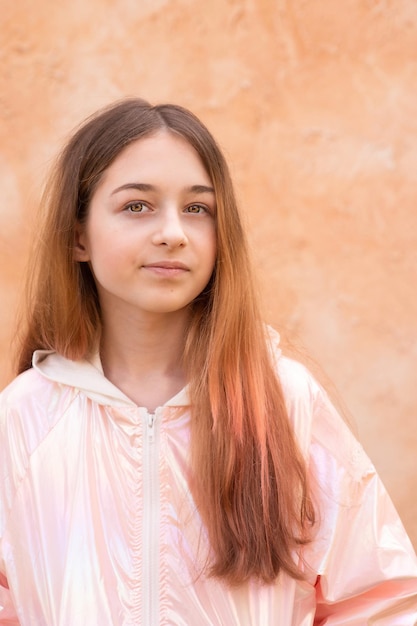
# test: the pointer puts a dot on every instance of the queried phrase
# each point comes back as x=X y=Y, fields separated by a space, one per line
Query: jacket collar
x=88 y=377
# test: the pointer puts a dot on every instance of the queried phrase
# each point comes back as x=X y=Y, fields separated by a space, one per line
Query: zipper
x=150 y=520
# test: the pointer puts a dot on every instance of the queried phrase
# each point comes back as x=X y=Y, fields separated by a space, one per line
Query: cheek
x=214 y=247
x=103 y=239
x=209 y=242
x=208 y=252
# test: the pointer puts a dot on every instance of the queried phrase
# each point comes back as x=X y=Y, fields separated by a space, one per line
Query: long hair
x=247 y=475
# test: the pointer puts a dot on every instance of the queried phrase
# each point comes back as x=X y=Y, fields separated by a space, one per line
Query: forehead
x=163 y=153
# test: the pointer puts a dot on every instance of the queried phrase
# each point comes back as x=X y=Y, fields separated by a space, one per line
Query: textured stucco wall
x=315 y=106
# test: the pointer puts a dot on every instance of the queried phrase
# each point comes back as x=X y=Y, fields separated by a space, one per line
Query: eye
x=196 y=208
x=136 y=207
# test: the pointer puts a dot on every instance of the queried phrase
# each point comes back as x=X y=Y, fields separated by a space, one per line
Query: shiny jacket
x=98 y=526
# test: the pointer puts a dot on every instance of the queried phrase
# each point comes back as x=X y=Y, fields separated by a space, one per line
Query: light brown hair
x=248 y=477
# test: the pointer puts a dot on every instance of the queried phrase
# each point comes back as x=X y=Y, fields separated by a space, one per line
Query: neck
x=143 y=357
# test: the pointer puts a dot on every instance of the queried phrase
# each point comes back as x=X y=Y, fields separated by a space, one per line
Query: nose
x=170 y=230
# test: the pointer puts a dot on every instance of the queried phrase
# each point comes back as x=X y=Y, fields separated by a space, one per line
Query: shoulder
x=322 y=433
x=29 y=393
x=22 y=387
x=300 y=391
x=30 y=406
x=297 y=381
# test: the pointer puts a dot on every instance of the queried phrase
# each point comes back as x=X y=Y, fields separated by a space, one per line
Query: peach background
x=315 y=105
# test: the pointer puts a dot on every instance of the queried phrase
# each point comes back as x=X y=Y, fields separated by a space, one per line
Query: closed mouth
x=167 y=265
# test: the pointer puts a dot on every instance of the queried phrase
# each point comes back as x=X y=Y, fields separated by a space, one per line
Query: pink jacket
x=98 y=527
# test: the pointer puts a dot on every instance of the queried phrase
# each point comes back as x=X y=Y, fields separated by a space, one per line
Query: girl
x=162 y=462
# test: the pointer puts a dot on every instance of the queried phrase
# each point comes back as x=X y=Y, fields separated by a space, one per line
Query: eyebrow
x=146 y=187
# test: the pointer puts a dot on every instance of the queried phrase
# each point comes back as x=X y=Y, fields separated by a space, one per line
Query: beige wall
x=315 y=105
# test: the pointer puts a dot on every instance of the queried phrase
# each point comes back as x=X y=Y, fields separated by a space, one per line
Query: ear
x=80 y=252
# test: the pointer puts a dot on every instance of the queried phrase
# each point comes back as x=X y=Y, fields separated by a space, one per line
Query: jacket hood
x=88 y=377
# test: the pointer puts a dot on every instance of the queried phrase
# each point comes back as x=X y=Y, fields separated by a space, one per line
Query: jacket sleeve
x=8 y=615
x=367 y=568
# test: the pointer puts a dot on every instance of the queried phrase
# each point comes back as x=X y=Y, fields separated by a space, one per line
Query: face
x=150 y=234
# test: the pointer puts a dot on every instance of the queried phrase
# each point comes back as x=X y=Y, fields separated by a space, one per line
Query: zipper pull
x=151 y=426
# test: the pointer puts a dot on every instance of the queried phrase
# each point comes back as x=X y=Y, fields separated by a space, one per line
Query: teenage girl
x=161 y=461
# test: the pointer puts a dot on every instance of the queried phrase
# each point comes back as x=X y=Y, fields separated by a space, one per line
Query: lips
x=167 y=265
x=166 y=269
